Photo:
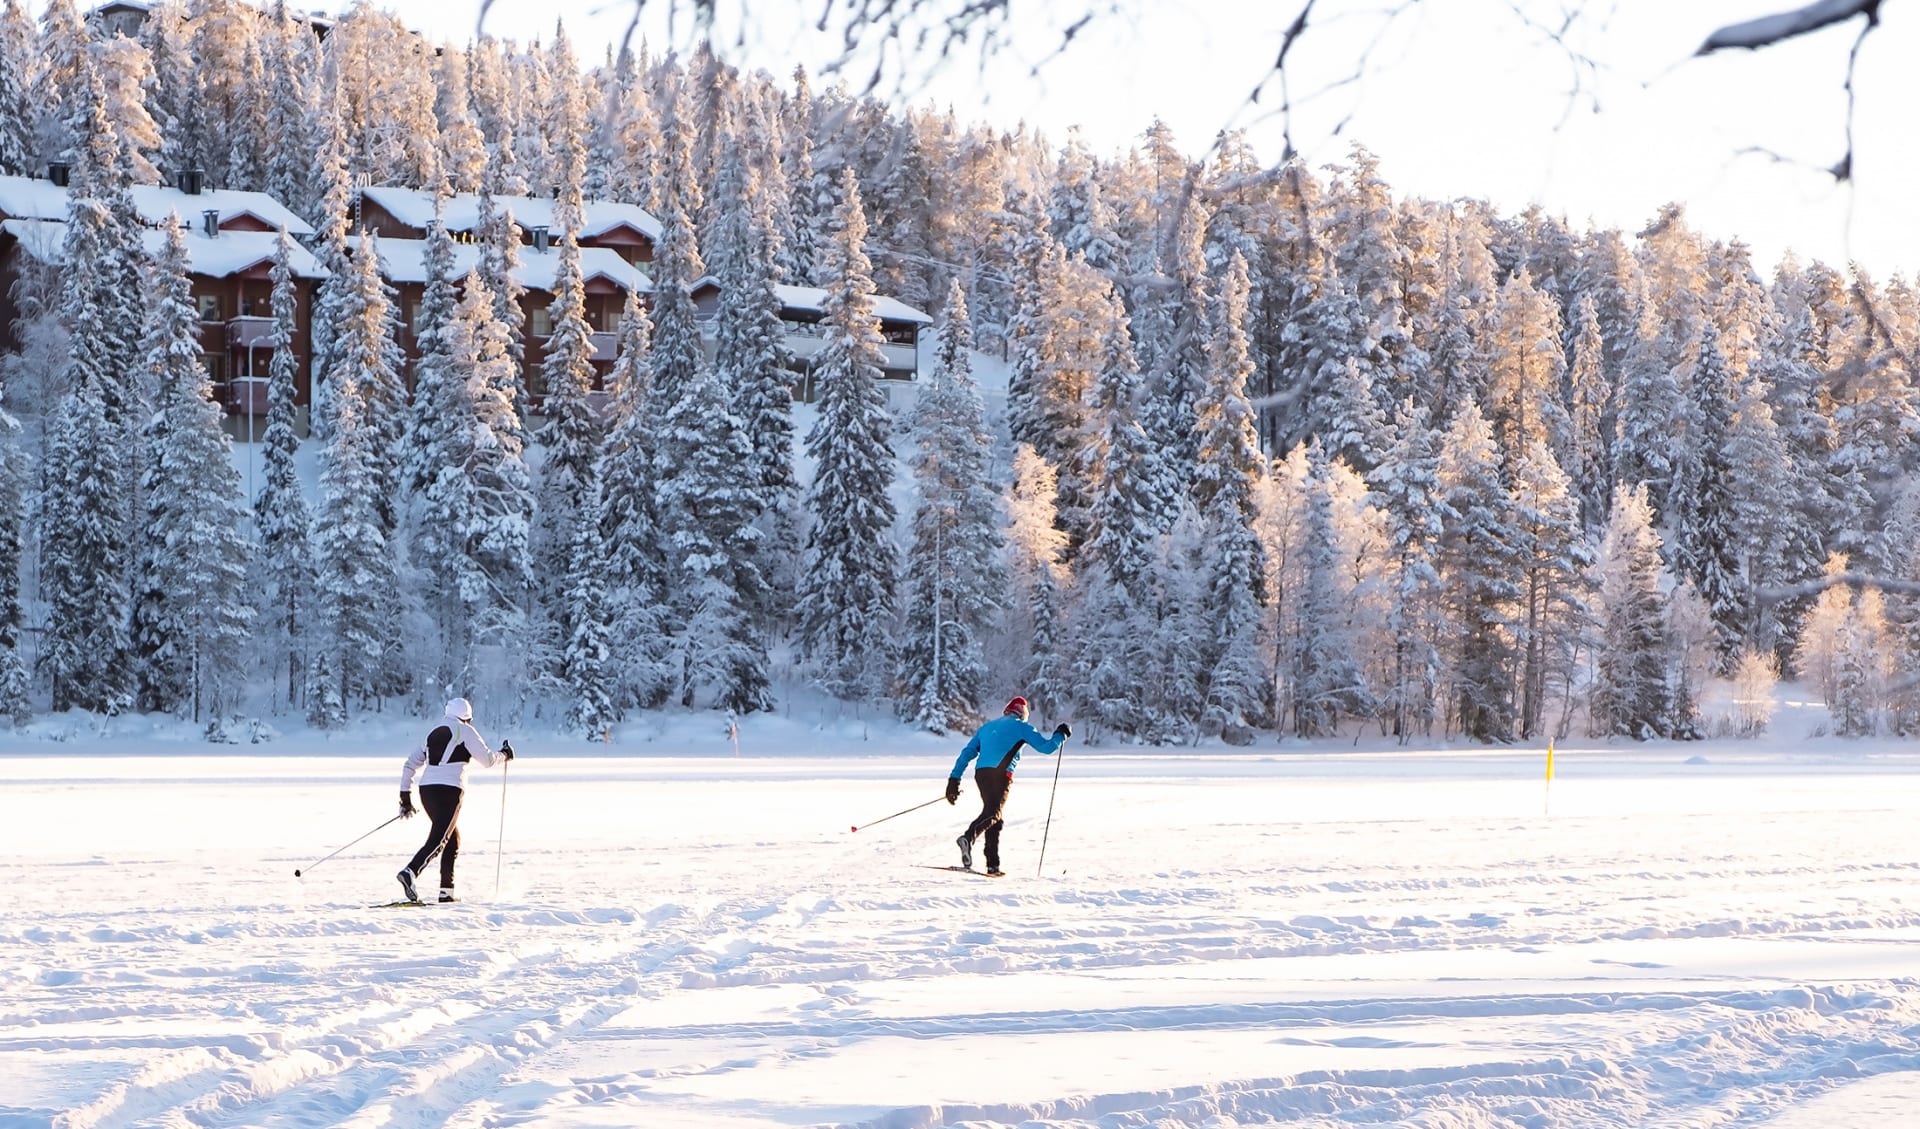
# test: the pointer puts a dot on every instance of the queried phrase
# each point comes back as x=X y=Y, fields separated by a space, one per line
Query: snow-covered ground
x=1708 y=934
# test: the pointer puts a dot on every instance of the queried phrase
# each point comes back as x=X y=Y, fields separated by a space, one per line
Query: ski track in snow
x=1710 y=961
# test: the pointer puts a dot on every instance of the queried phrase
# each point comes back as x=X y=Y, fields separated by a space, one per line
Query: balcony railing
x=250 y=333
x=243 y=396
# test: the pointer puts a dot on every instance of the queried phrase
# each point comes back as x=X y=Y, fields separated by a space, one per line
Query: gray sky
x=1460 y=98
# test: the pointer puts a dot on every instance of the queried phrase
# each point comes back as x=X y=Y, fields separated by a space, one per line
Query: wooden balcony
x=250 y=333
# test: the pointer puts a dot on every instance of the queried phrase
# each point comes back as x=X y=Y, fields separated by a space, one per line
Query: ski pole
x=500 y=845
x=1062 y=755
x=896 y=815
x=310 y=866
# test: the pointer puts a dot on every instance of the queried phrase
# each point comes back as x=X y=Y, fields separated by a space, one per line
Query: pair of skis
x=964 y=870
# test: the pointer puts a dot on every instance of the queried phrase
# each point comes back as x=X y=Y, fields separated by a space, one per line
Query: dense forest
x=1278 y=452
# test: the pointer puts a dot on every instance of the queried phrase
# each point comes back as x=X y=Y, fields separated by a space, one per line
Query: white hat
x=460 y=710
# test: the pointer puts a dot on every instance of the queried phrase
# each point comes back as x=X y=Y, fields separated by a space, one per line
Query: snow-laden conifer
x=1479 y=566
x=427 y=426
x=281 y=522
x=847 y=575
x=572 y=440
x=1036 y=615
x=16 y=703
x=1555 y=562
x=17 y=144
x=193 y=616
x=677 y=350
x=1705 y=549
x=1229 y=467
x=87 y=514
x=1406 y=486
x=629 y=525
x=477 y=512
x=955 y=579
x=586 y=662
x=1632 y=692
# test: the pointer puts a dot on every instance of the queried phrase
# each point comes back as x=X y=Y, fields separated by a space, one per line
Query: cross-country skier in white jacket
x=441 y=764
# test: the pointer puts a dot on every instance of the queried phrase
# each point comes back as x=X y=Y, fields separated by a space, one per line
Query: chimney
x=210 y=223
x=191 y=181
x=539 y=239
x=59 y=172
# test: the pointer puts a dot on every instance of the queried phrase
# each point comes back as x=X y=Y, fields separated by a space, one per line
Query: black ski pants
x=994 y=784
x=442 y=805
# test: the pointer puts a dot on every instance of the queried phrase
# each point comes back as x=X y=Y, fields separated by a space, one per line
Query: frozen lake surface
x=1687 y=935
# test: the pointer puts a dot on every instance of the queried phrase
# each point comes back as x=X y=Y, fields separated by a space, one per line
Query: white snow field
x=1701 y=935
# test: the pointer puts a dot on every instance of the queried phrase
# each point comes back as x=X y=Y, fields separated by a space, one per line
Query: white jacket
x=443 y=757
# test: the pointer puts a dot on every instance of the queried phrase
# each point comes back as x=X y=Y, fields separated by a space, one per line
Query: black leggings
x=994 y=784
x=442 y=805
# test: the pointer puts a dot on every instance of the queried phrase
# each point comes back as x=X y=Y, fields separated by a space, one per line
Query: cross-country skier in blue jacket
x=996 y=747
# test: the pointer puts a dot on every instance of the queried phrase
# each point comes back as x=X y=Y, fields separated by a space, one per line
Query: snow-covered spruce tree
x=1061 y=324
x=1114 y=614
x=17 y=143
x=635 y=566
x=1526 y=367
x=1324 y=679
x=281 y=522
x=499 y=265
x=849 y=566
x=572 y=440
x=586 y=666
x=1479 y=571
x=1406 y=486
x=1555 y=562
x=366 y=358
x=1035 y=617
x=368 y=348
x=293 y=56
x=1590 y=409
x=478 y=512
x=192 y=619
x=329 y=210
x=714 y=580
x=15 y=697
x=1705 y=550
x=1649 y=406
x=87 y=516
x=750 y=360
x=1229 y=467
x=676 y=352
x=954 y=576
x=426 y=425
x=1632 y=695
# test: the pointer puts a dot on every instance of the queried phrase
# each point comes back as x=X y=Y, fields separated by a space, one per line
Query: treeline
x=1280 y=452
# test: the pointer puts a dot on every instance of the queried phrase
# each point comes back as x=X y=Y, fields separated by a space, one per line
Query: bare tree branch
x=1766 y=31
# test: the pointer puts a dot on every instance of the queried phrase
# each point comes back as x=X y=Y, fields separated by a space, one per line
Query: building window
x=209 y=307
x=540 y=323
x=216 y=366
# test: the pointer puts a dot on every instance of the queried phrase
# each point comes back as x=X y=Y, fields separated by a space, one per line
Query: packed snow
x=663 y=933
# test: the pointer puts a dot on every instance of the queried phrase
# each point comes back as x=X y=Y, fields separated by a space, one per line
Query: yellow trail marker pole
x=1546 y=805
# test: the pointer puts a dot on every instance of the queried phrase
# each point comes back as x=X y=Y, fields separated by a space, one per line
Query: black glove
x=953 y=789
x=506 y=749
x=1063 y=730
x=406 y=805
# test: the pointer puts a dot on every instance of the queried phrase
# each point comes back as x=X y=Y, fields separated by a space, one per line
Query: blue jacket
x=998 y=742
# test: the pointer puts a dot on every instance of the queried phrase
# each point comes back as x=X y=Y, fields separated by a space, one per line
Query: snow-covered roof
x=28 y=198
x=462 y=213
x=814 y=298
x=216 y=256
x=404 y=260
